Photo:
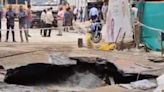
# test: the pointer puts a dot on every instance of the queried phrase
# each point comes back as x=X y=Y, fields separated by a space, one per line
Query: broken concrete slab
x=143 y=84
x=159 y=89
x=114 y=88
x=59 y=59
x=66 y=89
x=19 y=88
x=132 y=66
x=126 y=86
x=160 y=82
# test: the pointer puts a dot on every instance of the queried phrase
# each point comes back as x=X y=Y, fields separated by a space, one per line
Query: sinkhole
x=85 y=72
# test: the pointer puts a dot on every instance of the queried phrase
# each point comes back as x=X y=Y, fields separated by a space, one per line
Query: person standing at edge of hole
x=67 y=19
x=43 y=21
x=81 y=14
x=1 y=15
x=60 y=17
x=71 y=18
x=29 y=19
x=49 y=22
x=10 y=16
x=75 y=12
x=22 y=23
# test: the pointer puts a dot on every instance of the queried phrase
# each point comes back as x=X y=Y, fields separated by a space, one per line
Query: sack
x=88 y=40
x=107 y=47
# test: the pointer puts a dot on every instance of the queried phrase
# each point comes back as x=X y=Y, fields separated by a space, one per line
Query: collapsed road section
x=86 y=73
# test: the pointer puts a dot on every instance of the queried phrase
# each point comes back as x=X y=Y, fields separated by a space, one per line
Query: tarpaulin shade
x=154 y=17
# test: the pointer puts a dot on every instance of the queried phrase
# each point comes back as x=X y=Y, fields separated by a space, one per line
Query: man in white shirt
x=134 y=11
x=75 y=13
x=104 y=11
x=49 y=22
x=134 y=19
x=93 y=14
x=43 y=21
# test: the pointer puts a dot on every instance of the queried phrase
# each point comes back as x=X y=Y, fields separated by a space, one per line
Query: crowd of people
x=65 y=17
x=94 y=12
x=25 y=18
x=64 y=20
x=47 y=19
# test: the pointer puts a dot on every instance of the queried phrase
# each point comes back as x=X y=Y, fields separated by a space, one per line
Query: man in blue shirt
x=22 y=23
x=10 y=16
x=93 y=13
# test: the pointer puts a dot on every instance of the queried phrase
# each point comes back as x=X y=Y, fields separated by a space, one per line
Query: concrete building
x=78 y=3
x=86 y=4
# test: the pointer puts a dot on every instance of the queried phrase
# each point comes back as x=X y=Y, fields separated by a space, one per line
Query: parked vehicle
x=96 y=28
x=15 y=4
x=38 y=6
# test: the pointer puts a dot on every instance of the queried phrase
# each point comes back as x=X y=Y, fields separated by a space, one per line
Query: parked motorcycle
x=96 y=28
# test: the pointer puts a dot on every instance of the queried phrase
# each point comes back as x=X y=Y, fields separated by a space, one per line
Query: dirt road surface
x=39 y=48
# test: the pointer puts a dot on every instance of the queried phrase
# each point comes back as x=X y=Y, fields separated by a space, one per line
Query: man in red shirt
x=29 y=19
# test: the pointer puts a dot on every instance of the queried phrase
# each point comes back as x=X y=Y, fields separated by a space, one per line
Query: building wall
x=83 y=3
x=78 y=3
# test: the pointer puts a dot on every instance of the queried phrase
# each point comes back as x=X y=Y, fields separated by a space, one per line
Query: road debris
x=160 y=82
x=59 y=59
x=143 y=84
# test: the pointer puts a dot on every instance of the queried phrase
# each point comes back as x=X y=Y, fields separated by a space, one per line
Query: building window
x=11 y=1
x=21 y=1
